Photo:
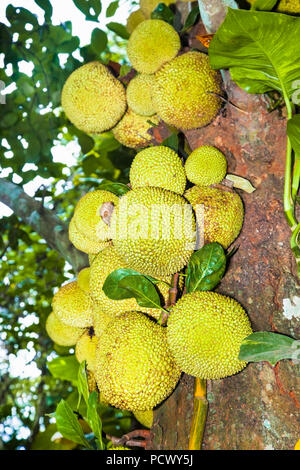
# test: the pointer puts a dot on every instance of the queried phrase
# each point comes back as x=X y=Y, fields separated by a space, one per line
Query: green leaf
x=119 y=29
x=128 y=283
x=98 y=40
x=86 y=143
x=47 y=7
x=265 y=5
x=82 y=385
x=271 y=347
x=172 y=142
x=85 y=7
x=191 y=18
x=69 y=46
x=64 y=368
x=260 y=49
x=124 y=70
x=163 y=12
x=206 y=268
x=94 y=419
x=112 y=8
x=293 y=131
x=117 y=188
x=68 y=425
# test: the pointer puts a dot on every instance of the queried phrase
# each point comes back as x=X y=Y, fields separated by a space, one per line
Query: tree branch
x=43 y=221
x=213 y=12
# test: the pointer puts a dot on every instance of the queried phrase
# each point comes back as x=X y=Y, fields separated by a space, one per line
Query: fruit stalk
x=199 y=416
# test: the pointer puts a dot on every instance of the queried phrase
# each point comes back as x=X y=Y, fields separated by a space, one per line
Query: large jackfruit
x=73 y=306
x=82 y=243
x=139 y=94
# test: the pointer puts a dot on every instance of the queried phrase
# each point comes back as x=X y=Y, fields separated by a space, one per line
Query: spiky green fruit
x=73 y=306
x=158 y=166
x=223 y=213
x=93 y=99
x=62 y=334
x=135 y=369
x=185 y=92
x=139 y=94
x=133 y=129
x=153 y=230
x=205 y=331
x=101 y=319
x=82 y=243
x=206 y=165
x=85 y=349
x=152 y=44
x=144 y=417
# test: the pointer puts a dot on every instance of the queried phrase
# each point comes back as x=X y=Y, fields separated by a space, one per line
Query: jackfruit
x=223 y=213
x=206 y=165
x=83 y=279
x=205 y=331
x=144 y=417
x=73 y=306
x=62 y=334
x=134 y=367
x=152 y=44
x=285 y=6
x=139 y=94
x=135 y=18
x=88 y=216
x=132 y=130
x=83 y=243
x=93 y=99
x=160 y=167
x=100 y=319
x=104 y=264
x=148 y=6
x=85 y=349
x=185 y=91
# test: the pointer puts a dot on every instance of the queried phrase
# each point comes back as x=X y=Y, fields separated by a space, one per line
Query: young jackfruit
x=93 y=99
x=223 y=213
x=85 y=349
x=152 y=44
x=206 y=165
x=83 y=279
x=62 y=334
x=160 y=167
x=153 y=230
x=139 y=94
x=134 y=367
x=285 y=6
x=132 y=130
x=185 y=91
x=148 y=6
x=89 y=214
x=205 y=331
x=82 y=243
x=135 y=18
x=73 y=306
x=144 y=417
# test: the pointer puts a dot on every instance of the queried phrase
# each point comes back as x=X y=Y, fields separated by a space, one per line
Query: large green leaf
x=264 y=4
x=118 y=29
x=68 y=425
x=64 y=368
x=206 y=268
x=94 y=420
x=260 y=49
x=98 y=40
x=268 y=346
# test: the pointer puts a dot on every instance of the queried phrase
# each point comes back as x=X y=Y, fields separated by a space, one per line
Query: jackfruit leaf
x=98 y=40
x=191 y=18
x=44 y=440
x=265 y=5
x=86 y=143
x=241 y=183
x=118 y=29
x=206 y=268
x=82 y=384
x=172 y=142
x=112 y=8
x=64 y=368
x=268 y=346
x=69 y=46
x=260 y=49
x=163 y=12
x=68 y=425
x=90 y=8
x=293 y=131
x=94 y=420
x=47 y=7
x=128 y=283
x=117 y=188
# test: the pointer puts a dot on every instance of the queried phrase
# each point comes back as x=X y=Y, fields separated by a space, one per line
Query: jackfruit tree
x=149 y=261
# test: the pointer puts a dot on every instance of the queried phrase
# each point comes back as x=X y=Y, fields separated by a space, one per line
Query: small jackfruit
x=135 y=18
x=185 y=91
x=82 y=243
x=223 y=213
x=205 y=331
x=152 y=44
x=285 y=6
x=148 y=6
x=153 y=230
x=73 y=306
x=139 y=94
x=89 y=214
x=85 y=349
x=158 y=166
x=93 y=99
x=83 y=279
x=144 y=417
x=206 y=165
x=134 y=367
x=132 y=130
x=62 y=334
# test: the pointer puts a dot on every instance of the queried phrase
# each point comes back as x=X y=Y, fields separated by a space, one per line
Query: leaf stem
x=289 y=208
x=199 y=415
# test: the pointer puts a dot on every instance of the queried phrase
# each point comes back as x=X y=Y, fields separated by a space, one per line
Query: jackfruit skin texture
x=135 y=369
x=147 y=6
x=152 y=44
x=223 y=213
x=83 y=279
x=158 y=166
x=85 y=349
x=107 y=262
x=83 y=243
x=205 y=331
x=135 y=18
x=144 y=417
x=184 y=92
x=100 y=320
x=159 y=240
x=206 y=165
x=93 y=99
x=132 y=130
x=285 y=6
x=73 y=306
x=87 y=216
x=62 y=334
x=139 y=94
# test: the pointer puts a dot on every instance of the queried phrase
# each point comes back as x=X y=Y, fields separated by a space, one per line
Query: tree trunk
x=259 y=407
